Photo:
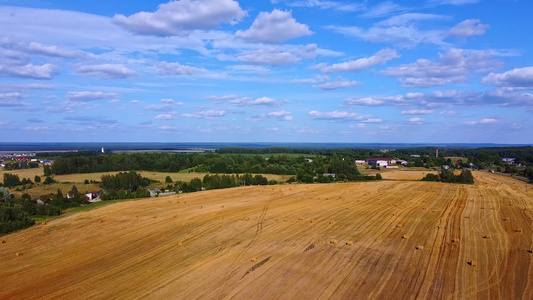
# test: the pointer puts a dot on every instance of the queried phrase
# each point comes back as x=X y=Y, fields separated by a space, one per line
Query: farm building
x=508 y=160
x=380 y=162
x=402 y=162
x=360 y=162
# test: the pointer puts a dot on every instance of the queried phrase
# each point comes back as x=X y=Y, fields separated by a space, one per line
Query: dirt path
x=380 y=240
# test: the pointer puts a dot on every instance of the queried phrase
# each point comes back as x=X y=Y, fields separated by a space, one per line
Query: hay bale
x=254 y=259
x=456 y=240
x=472 y=263
x=530 y=251
x=405 y=237
x=399 y=226
x=334 y=242
x=419 y=247
x=19 y=254
x=3 y=242
x=349 y=243
x=486 y=236
x=331 y=222
x=518 y=230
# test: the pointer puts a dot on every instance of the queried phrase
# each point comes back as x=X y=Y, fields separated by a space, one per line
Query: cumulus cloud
x=107 y=71
x=28 y=71
x=171 y=101
x=86 y=96
x=340 y=83
x=339 y=116
x=448 y=113
x=316 y=79
x=274 y=28
x=164 y=68
x=455 y=66
x=520 y=78
x=167 y=116
x=278 y=115
x=269 y=57
x=418 y=112
x=417 y=120
x=380 y=57
x=159 y=107
x=482 y=122
x=208 y=114
x=243 y=101
x=40 y=49
x=180 y=17
x=468 y=28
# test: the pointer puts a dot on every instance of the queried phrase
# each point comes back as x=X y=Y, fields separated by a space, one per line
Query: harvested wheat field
x=380 y=240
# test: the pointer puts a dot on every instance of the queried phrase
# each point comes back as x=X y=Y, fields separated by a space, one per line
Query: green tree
x=379 y=177
x=168 y=179
x=48 y=180
x=37 y=179
x=11 y=180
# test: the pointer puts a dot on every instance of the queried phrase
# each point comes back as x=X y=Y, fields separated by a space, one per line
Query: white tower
x=103 y=151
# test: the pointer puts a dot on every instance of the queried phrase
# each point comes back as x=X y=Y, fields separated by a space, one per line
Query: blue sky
x=277 y=71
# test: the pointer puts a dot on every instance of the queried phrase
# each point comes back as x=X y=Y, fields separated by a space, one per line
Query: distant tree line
x=20 y=165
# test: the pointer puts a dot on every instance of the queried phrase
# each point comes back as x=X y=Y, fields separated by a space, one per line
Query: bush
x=379 y=177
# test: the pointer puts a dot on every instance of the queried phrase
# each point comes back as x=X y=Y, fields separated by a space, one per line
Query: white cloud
x=342 y=116
x=401 y=30
x=417 y=120
x=373 y=120
x=448 y=113
x=180 y=17
x=481 y=122
x=40 y=49
x=316 y=79
x=340 y=83
x=86 y=96
x=520 y=78
x=209 y=114
x=455 y=66
x=274 y=27
x=107 y=71
x=468 y=28
x=171 y=101
x=243 y=101
x=380 y=57
x=324 y=4
x=269 y=57
x=279 y=115
x=164 y=68
x=159 y=107
x=11 y=100
x=418 y=112
x=28 y=71
x=168 y=116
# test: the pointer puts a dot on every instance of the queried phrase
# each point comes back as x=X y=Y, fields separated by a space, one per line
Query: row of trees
x=448 y=176
x=11 y=180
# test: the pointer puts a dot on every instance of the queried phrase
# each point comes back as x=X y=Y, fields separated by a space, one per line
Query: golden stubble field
x=378 y=240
